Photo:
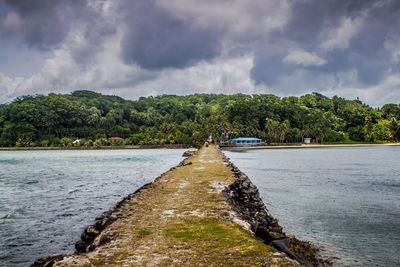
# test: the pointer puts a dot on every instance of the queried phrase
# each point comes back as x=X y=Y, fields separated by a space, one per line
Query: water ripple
x=346 y=198
x=48 y=197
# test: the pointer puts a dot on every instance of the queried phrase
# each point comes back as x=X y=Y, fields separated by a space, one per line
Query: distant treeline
x=58 y=120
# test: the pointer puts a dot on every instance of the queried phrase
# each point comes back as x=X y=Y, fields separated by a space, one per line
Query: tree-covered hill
x=58 y=120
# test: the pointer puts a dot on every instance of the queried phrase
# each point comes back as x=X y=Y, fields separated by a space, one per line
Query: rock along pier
x=204 y=212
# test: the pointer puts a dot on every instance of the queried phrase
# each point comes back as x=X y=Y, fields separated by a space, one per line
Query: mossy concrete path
x=181 y=219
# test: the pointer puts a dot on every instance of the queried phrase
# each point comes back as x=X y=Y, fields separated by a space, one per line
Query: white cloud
x=104 y=71
x=63 y=72
x=304 y=58
x=8 y=86
x=343 y=84
x=12 y=21
x=346 y=85
x=222 y=75
x=340 y=37
x=256 y=17
x=303 y=81
x=392 y=45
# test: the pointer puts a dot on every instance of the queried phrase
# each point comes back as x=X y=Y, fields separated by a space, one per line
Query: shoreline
x=188 y=146
x=167 y=146
x=240 y=194
x=306 y=146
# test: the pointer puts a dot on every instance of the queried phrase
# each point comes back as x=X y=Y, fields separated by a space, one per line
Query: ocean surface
x=344 y=199
x=48 y=197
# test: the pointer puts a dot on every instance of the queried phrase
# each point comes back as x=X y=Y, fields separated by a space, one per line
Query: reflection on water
x=48 y=197
x=345 y=199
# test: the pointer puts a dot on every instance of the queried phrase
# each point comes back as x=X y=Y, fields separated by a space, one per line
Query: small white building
x=307 y=140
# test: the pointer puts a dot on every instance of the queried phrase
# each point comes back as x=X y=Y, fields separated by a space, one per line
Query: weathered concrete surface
x=181 y=219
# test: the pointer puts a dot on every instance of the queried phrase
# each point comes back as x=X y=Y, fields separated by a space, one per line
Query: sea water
x=344 y=199
x=48 y=197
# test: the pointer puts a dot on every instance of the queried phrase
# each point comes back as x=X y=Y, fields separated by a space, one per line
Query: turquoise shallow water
x=48 y=197
x=345 y=199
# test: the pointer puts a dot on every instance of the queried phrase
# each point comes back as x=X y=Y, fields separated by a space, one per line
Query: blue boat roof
x=245 y=139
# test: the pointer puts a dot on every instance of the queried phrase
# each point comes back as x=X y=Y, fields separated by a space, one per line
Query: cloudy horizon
x=134 y=48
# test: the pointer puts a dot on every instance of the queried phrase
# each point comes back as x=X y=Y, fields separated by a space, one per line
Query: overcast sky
x=134 y=48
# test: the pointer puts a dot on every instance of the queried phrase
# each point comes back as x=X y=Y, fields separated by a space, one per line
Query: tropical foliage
x=59 y=120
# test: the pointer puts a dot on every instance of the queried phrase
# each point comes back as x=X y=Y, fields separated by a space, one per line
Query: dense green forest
x=58 y=120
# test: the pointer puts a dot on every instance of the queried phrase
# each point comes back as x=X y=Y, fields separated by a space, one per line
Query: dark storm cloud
x=310 y=25
x=156 y=39
x=310 y=18
x=287 y=46
x=315 y=13
x=42 y=24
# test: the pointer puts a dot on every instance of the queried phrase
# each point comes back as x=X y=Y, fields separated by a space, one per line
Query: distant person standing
x=209 y=140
